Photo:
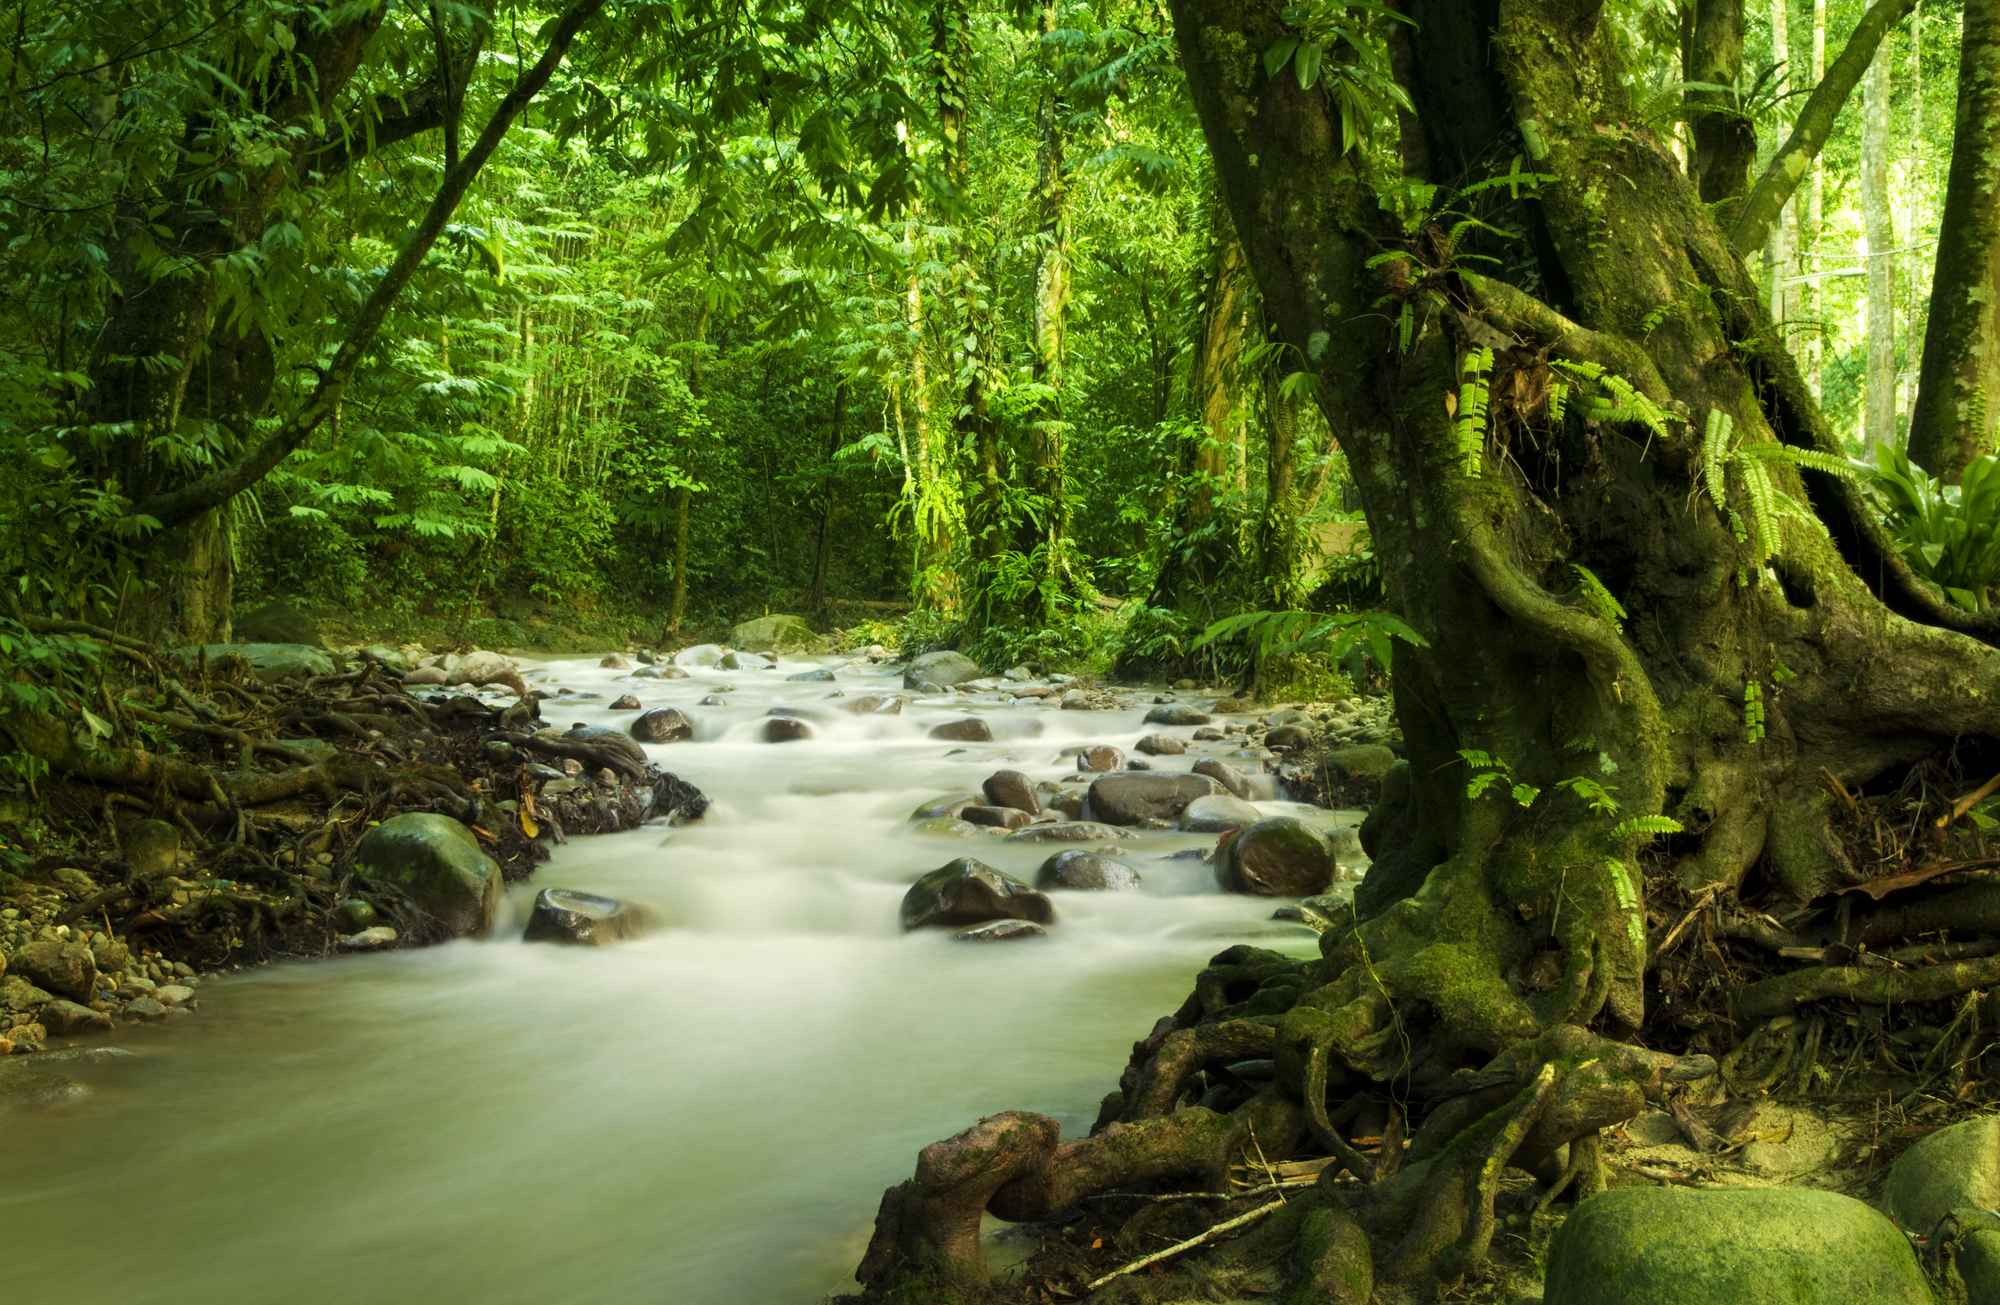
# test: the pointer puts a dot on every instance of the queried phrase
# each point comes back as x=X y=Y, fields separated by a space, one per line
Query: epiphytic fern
x=1768 y=505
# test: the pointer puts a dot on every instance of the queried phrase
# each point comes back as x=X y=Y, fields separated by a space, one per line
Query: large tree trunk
x=1725 y=144
x=1957 y=415
x=1614 y=596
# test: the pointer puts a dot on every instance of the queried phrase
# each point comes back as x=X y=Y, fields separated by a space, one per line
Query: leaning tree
x=1667 y=644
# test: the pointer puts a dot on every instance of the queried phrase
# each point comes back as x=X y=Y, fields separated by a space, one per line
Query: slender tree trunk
x=1815 y=343
x=1958 y=399
x=684 y=494
x=1048 y=328
x=817 y=599
x=1778 y=249
x=1725 y=145
x=1878 y=423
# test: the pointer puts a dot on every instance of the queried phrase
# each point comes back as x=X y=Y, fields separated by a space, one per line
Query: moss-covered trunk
x=1586 y=471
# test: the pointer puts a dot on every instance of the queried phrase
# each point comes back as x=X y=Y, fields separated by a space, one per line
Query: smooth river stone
x=1161 y=745
x=1177 y=713
x=970 y=730
x=1085 y=872
x=999 y=817
x=1001 y=931
x=584 y=919
x=1064 y=831
x=1226 y=775
x=1130 y=799
x=966 y=891
x=1010 y=788
x=1279 y=856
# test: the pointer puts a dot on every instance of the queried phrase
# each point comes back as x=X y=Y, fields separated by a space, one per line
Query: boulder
x=110 y=954
x=803 y=677
x=478 y=668
x=944 y=807
x=625 y=703
x=1093 y=872
x=1010 y=788
x=1363 y=761
x=563 y=916
x=355 y=914
x=996 y=817
x=1279 y=856
x=1218 y=812
x=1132 y=799
x=670 y=672
x=775 y=634
x=786 y=729
x=712 y=700
x=1231 y=779
x=66 y=969
x=1208 y=734
x=1176 y=713
x=1289 y=737
x=391 y=659
x=1161 y=745
x=273 y=662
x=745 y=661
x=1064 y=831
x=615 y=662
x=1100 y=757
x=966 y=891
x=1722 y=1246
x=438 y=864
x=662 y=725
x=877 y=704
x=424 y=675
x=646 y=673
x=1956 y=1168
x=1001 y=931
x=1069 y=802
x=67 y=1019
x=950 y=827
x=970 y=730
x=940 y=669
x=603 y=736
x=151 y=848
x=277 y=623
x=701 y=654
x=368 y=940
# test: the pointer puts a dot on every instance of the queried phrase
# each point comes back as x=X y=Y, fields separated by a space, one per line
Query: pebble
x=381 y=935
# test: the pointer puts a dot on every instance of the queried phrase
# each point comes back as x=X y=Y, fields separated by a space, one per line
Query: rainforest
x=1136 y=650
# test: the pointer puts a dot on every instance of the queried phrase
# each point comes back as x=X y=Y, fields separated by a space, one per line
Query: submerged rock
x=1001 y=931
x=970 y=730
x=821 y=674
x=1092 y=872
x=1064 y=831
x=1279 y=856
x=786 y=729
x=877 y=704
x=950 y=827
x=999 y=817
x=1218 y=812
x=615 y=662
x=944 y=807
x=966 y=891
x=564 y=916
x=746 y=661
x=938 y=670
x=701 y=654
x=1133 y=799
x=1775 y=1246
x=438 y=863
x=625 y=703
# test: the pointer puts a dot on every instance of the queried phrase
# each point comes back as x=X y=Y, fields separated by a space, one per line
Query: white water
x=706 y=1116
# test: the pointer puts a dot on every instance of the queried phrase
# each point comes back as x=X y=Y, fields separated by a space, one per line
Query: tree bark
x=1725 y=144
x=817 y=597
x=1878 y=420
x=1956 y=408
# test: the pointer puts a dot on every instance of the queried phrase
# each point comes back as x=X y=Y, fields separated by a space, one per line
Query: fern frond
x=1634 y=826
x=1608 y=609
x=1763 y=496
x=1715 y=459
x=1831 y=464
x=1481 y=760
x=1471 y=431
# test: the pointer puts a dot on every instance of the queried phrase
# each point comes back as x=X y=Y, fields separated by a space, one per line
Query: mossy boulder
x=1777 y=1246
x=273 y=662
x=277 y=623
x=965 y=891
x=1956 y=1168
x=1129 y=798
x=1279 y=856
x=66 y=969
x=775 y=634
x=438 y=864
x=939 y=669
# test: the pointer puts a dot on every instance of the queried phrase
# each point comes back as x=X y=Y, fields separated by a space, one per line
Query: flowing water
x=705 y=1116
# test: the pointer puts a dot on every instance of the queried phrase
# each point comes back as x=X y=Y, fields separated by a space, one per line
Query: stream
x=705 y=1116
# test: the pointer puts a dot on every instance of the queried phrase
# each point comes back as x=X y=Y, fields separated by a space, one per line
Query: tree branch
x=1815 y=123
x=211 y=491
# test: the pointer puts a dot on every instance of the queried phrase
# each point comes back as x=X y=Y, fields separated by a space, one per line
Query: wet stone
x=809 y=676
x=970 y=730
x=625 y=703
x=1064 y=831
x=1130 y=799
x=1000 y=817
x=944 y=807
x=1177 y=713
x=1217 y=813
x=786 y=729
x=1279 y=856
x=1101 y=757
x=583 y=919
x=662 y=725
x=1077 y=871
x=966 y=891
x=1010 y=788
x=1161 y=745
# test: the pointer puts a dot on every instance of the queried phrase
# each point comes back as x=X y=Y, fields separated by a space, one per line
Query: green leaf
x=1279 y=54
x=1307 y=64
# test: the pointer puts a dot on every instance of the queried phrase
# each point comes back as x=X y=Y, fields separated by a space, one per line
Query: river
x=705 y=1116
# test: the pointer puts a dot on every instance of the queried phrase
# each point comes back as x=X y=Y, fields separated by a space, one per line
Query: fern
x=1471 y=430
x=1646 y=826
x=1599 y=796
x=1599 y=599
x=1769 y=506
x=1753 y=711
x=1622 y=401
x=1715 y=458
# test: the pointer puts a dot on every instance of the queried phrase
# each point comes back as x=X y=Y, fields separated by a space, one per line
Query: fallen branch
x=1227 y=1225
x=1291 y=1185
x=1785 y=993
